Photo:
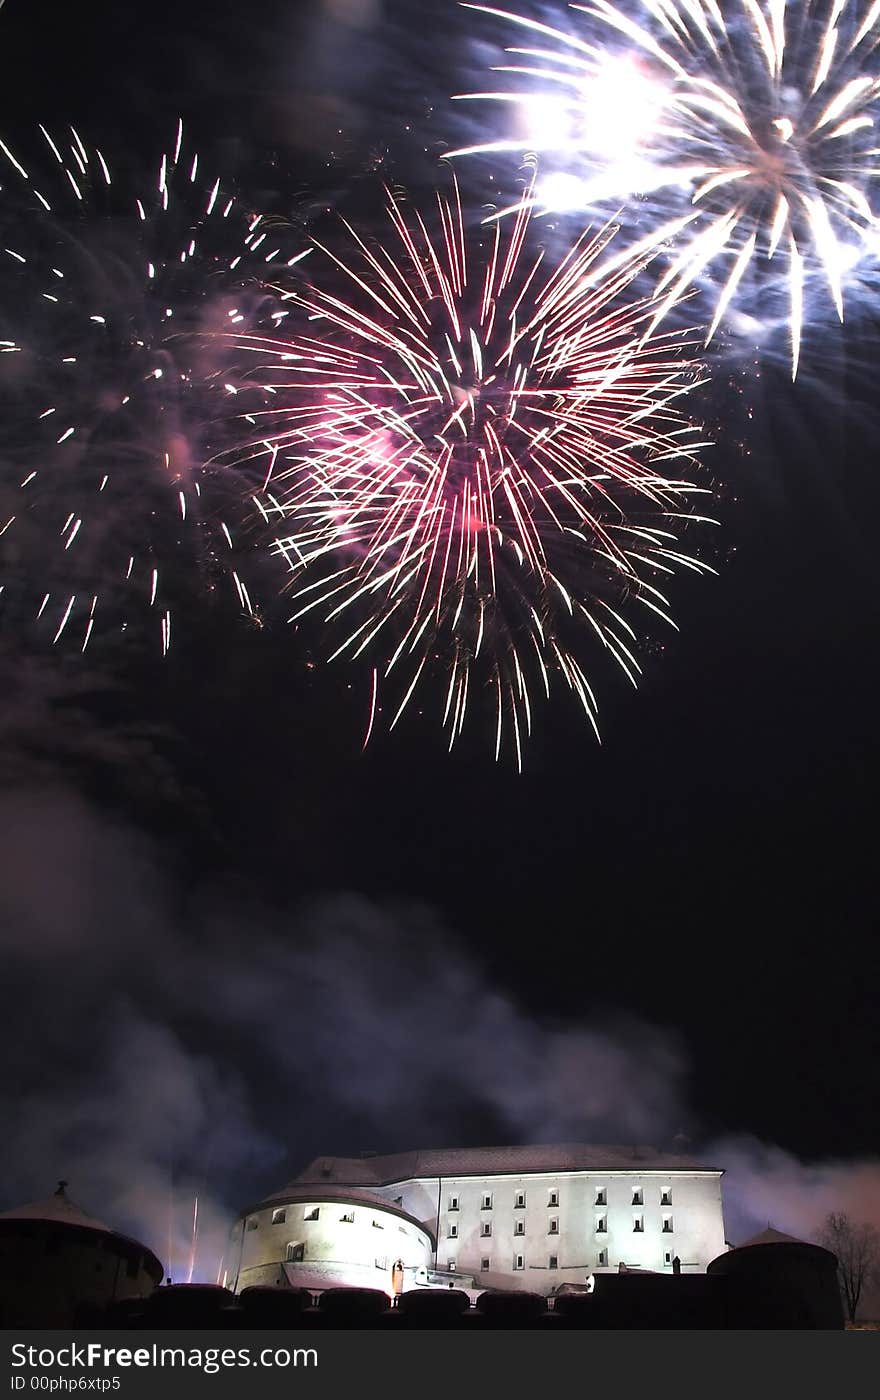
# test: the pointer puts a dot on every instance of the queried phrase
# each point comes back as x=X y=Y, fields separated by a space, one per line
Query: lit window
x=601 y=1225
x=311 y=1214
x=554 y=1198
x=667 y=1224
x=553 y=1227
x=601 y=1196
x=519 y=1227
x=486 y=1203
x=484 y=1266
x=452 y=1231
x=296 y=1253
x=602 y=1258
x=518 y=1261
x=486 y=1228
x=554 y=1262
x=666 y=1197
x=453 y=1203
x=450 y=1266
x=638 y=1198
x=520 y=1200
x=638 y=1225
x=347 y=1218
x=279 y=1217
x=252 y=1224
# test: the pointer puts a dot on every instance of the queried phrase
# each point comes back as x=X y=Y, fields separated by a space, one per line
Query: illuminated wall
x=537 y=1231
x=327 y=1240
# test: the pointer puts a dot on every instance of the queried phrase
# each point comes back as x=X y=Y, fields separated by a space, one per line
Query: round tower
x=54 y=1258
x=309 y=1237
x=777 y=1281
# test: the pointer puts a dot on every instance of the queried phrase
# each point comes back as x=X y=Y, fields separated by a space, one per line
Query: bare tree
x=858 y=1256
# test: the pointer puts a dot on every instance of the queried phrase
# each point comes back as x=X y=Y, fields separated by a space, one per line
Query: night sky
x=335 y=951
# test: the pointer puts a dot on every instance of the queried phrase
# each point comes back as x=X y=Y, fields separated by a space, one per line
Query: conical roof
x=770 y=1236
x=58 y=1208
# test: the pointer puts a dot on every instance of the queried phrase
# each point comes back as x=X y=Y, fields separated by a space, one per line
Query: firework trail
x=115 y=382
x=474 y=458
x=750 y=125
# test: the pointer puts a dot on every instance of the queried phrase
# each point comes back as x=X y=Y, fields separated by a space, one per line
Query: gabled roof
x=490 y=1161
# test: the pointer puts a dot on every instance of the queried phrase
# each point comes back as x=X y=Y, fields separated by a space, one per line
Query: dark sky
x=708 y=872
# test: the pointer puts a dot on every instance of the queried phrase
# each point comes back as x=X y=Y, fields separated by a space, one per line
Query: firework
x=474 y=452
x=750 y=126
x=115 y=379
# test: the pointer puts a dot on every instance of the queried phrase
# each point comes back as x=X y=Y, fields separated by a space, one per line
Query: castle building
x=514 y=1218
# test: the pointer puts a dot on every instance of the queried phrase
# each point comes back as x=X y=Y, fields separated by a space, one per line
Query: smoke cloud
x=172 y=1050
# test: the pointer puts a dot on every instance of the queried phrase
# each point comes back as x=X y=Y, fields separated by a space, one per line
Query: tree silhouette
x=857 y=1247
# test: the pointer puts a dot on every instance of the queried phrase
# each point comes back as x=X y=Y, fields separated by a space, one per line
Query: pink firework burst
x=472 y=460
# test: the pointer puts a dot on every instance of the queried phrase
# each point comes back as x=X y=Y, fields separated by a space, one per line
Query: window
x=377 y=1225
x=347 y=1218
x=553 y=1227
x=452 y=1232
x=666 y=1196
x=554 y=1198
x=667 y=1224
x=279 y=1216
x=296 y=1253
x=485 y=1228
x=252 y=1224
x=518 y=1261
x=519 y=1202
x=398 y=1200
x=667 y=1257
x=401 y=1230
x=484 y=1266
x=381 y=1262
x=311 y=1214
x=453 y=1203
x=601 y=1196
x=638 y=1225
x=519 y=1227
x=554 y=1262
x=132 y=1265
x=602 y=1259
x=450 y=1266
x=486 y=1202
x=638 y=1196
x=601 y=1225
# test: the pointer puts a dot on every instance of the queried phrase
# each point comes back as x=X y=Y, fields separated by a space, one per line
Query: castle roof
x=770 y=1236
x=59 y=1209
x=494 y=1161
